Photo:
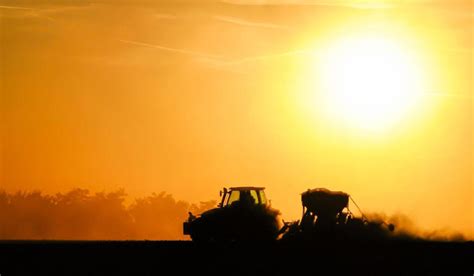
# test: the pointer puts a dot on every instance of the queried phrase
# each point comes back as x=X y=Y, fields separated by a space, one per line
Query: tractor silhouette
x=243 y=214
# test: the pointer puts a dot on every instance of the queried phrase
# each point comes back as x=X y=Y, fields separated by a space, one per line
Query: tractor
x=243 y=214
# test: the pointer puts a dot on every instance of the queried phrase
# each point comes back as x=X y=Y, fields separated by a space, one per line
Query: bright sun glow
x=369 y=82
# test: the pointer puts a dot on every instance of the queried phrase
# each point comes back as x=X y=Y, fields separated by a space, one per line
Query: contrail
x=32 y=12
x=174 y=50
x=450 y=95
x=164 y=16
x=242 y=22
x=17 y=8
x=216 y=60
x=266 y=57
x=362 y=5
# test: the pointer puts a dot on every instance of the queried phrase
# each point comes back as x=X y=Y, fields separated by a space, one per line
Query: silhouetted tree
x=79 y=214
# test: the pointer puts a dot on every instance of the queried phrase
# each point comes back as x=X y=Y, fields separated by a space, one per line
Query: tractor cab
x=246 y=196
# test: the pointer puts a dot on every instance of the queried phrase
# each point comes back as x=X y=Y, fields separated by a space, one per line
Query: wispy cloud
x=243 y=22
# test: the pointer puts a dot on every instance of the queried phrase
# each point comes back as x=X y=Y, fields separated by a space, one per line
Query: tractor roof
x=246 y=188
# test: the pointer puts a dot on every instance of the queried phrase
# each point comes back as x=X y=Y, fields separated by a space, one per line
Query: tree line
x=80 y=214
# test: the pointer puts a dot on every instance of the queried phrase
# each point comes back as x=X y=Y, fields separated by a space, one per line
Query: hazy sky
x=191 y=96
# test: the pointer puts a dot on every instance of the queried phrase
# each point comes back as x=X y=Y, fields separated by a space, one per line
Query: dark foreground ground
x=186 y=258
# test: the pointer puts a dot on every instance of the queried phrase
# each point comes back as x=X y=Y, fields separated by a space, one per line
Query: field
x=185 y=257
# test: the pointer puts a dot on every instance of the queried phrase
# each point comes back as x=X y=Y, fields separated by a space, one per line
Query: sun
x=369 y=82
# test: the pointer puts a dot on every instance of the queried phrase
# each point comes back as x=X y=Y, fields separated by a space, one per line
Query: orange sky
x=191 y=96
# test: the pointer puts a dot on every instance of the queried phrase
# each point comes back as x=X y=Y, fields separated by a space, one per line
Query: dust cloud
x=407 y=229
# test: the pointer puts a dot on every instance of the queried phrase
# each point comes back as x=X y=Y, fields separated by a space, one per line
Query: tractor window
x=263 y=198
x=234 y=197
x=254 y=195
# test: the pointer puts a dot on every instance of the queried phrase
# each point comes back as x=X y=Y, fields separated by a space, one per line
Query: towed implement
x=326 y=215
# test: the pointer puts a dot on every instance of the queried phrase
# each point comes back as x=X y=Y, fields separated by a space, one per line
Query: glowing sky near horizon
x=369 y=97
